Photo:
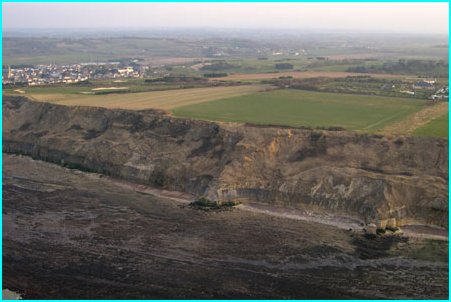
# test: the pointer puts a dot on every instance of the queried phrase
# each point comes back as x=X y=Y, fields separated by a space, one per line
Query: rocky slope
x=378 y=179
x=73 y=235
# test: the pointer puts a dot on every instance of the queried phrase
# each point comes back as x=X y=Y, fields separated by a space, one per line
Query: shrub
x=206 y=204
x=284 y=66
x=380 y=231
x=392 y=229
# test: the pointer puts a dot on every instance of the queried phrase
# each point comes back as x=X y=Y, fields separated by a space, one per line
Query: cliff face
x=379 y=179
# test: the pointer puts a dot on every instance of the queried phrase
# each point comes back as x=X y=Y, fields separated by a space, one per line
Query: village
x=69 y=74
x=436 y=92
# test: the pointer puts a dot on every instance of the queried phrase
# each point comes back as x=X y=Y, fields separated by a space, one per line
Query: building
x=424 y=85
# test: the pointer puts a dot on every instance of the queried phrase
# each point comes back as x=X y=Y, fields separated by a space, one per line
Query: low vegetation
x=206 y=204
x=305 y=108
x=282 y=66
x=420 y=67
x=132 y=85
x=357 y=85
x=218 y=66
x=437 y=127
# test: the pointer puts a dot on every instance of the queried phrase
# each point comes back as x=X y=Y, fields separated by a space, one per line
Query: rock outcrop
x=378 y=179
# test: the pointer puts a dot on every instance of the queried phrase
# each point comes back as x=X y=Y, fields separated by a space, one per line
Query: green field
x=437 y=127
x=304 y=108
x=133 y=85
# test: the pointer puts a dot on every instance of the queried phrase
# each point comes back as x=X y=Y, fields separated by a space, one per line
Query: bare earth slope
x=74 y=235
x=375 y=178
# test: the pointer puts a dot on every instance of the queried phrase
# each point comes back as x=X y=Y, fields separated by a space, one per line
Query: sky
x=371 y=17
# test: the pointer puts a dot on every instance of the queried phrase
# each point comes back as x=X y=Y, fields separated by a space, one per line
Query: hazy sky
x=394 y=17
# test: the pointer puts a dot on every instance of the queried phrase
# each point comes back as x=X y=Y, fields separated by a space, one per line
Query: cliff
x=378 y=179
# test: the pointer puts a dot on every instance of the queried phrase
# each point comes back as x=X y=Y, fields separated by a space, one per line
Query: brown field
x=146 y=100
x=305 y=75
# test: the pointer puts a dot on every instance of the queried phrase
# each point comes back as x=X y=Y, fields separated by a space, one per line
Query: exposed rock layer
x=379 y=179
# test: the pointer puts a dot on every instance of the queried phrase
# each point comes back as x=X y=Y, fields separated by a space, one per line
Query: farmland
x=42 y=50
x=420 y=119
x=381 y=86
x=257 y=103
x=437 y=127
x=225 y=151
x=132 y=85
x=226 y=78
x=145 y=100
x=303 y=75
x=305 y=108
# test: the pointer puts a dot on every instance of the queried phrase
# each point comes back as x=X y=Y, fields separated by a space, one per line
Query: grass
x=437 y=127
x=305 y=108
x=146 y=100
x=133 y=84
x=254 y=65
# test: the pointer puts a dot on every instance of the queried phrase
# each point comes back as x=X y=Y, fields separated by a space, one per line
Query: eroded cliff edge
x=379 y=179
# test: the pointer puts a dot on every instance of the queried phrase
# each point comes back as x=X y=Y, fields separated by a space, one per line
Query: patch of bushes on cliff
x=206 y=204
x=76 y=166
x=380 y=231
x=392 y=229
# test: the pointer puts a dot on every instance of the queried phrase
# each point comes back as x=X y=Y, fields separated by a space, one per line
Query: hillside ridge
x=382 y=180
